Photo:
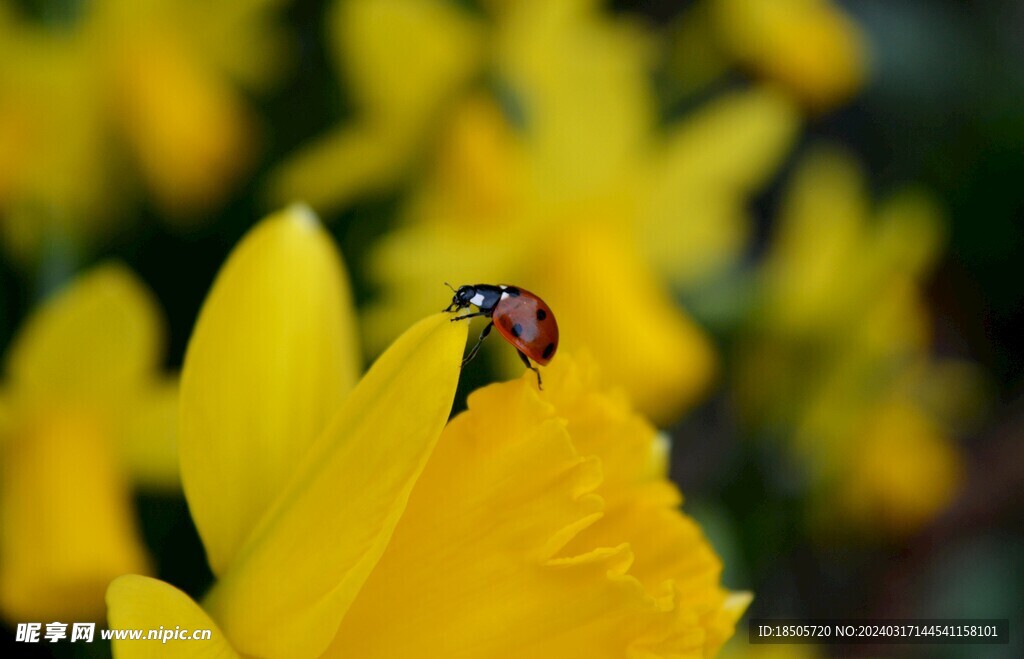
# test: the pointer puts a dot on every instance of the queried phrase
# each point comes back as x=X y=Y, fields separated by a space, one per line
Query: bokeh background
x=790 y=230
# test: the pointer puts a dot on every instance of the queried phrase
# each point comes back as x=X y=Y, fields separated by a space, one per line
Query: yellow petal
x=440 y=50
x=911 y=232
x=481 y=553
x=307 y=560
x=135 y=602
x=693 y=222
x=815 y=269
x=481 y=172
x=99 y=336
x=658 y=355
x=272 y=356
x=148 y=436
x=581 y=80
x=191 y=132
x=904 y=471
x=640 y=505
x=604 y=424
x=667 y=547
x=68 y=523
x=52 y=126
x=832 y=261
x=366 y=158
x=811 y=46
x=759 y=124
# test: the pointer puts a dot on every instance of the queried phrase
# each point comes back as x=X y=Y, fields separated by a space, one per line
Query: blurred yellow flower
x=403 y=61
x=156 y=75
x=547 y=59
x=809 y=46
x=85 y=413
x=840 y=352
x=904 y=471
x=577 y=195
x=506 y=207
x=347 y=521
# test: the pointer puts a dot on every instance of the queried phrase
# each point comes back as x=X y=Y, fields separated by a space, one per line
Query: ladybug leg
x=470 y=315
x=526 y=360
x=483 y=335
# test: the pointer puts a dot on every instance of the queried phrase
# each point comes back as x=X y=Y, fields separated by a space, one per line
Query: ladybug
x=522 y=318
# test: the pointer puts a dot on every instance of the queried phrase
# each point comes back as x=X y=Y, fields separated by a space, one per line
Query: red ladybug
x=522 y=318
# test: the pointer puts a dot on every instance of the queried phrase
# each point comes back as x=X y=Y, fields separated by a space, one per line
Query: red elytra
x=524 y=319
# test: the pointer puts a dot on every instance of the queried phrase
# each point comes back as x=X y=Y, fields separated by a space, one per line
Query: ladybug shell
x=527 y=323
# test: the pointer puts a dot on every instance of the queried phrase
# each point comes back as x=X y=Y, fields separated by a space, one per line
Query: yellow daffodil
x=904 y=471
x=583 y=201
x=86 y=413
x=841 y=357
x=347 y=518
x=589 y=227
x=809 y=46
x=578 y=197
x=156 y=75
x=539 y=54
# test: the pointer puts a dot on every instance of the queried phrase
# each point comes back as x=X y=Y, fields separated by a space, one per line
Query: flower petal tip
x=302 y=215
x=121 y=585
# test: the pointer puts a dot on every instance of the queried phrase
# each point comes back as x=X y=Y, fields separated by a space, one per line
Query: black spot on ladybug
x=517 y=329
x=512 y=291
x=548 y=350
x=541 y=315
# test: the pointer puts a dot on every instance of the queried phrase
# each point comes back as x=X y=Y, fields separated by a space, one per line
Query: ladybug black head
x=462 y=298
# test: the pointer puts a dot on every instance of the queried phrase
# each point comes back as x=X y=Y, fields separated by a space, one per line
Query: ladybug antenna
x=454 y=305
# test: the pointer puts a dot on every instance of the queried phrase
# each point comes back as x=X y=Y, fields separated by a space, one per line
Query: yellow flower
x=511 y=208
x=584 y=202
x=84 y=413
x=840 y=355
x=347 y=521
x=402 y=61
x=905 y=470
x=576 y=196
x=158 y=75
x=570 y=65
x=810 y=46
